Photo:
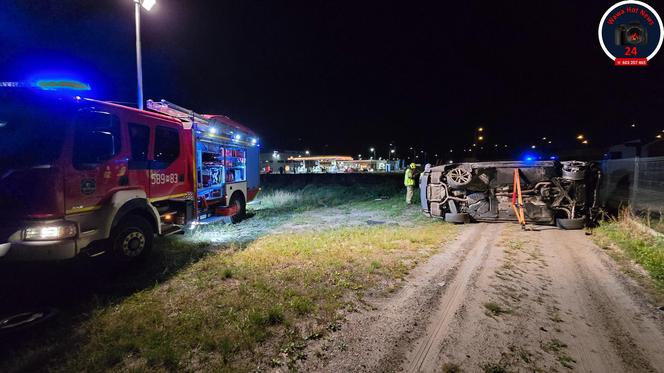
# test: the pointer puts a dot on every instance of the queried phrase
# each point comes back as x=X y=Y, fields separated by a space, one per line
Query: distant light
x=584 y=142
x=480 y=138
x=392 y=151
x=148 y=4
x=532 y=146
x=581 y=137
x=372 y=149
x=213 y=130
x=553 y=157
x=238 y=137
x=549 y=141
x=633 y=125
x=544 y=138
x=254 y=141
x=659 y=136
x=306 y=152
x=62 y=84
x=480 y=129
x=529 y=158
x=2 y=124
x=450 y=161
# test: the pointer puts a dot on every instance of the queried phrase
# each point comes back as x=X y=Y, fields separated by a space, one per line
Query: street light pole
x=139 y=63
x=147 y=4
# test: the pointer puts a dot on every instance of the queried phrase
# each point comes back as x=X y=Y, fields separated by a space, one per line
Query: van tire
x=237 y=200
x=460 y=218
x=132 y=238
x=571 y=224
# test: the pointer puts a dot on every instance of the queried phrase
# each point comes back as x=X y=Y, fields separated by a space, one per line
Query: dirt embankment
x=500 y=299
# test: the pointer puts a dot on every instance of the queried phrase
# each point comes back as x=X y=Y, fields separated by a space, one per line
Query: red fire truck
x=82 y=176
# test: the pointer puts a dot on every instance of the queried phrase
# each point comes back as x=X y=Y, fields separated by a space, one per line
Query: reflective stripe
x=157 y=199
x=80 y=210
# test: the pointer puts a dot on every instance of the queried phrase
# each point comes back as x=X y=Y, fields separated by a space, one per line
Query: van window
x=166 y=146
x=96 y=138
x=139 y=136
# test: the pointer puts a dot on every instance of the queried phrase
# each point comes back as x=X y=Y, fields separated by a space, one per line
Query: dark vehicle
x=562 y=193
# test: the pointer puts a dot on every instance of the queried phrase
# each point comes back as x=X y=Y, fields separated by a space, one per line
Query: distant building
x=299 y=162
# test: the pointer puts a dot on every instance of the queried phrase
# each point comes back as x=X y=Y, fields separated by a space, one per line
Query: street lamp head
x=148 y=4
x=372 y=149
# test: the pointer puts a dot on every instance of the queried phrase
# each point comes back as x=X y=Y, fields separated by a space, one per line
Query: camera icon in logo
x=630 y=34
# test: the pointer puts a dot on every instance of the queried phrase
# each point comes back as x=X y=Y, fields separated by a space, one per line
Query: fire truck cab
x=82 y=176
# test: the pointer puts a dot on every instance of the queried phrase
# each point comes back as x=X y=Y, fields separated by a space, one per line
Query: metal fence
x=634 y=182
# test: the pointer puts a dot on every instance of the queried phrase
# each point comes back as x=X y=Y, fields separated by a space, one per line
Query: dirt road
x=500 y=299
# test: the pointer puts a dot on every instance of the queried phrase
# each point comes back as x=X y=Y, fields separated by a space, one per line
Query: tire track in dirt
x=377 y=340
x=611 y=327
x=424 y=355
x=503 y=299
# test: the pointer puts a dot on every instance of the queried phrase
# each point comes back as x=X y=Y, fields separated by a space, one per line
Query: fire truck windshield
x=31 y=131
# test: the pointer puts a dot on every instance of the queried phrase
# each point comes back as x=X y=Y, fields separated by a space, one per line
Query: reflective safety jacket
x=408 y=177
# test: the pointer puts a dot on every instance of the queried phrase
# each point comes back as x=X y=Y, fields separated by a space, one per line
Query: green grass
x=644 y=249
x=236 y=297
x=281 y=289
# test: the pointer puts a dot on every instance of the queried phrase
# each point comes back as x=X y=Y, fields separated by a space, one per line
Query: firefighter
x=409 y=182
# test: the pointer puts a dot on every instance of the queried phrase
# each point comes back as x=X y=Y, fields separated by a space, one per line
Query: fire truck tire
x=237 y=200
x=132 y=238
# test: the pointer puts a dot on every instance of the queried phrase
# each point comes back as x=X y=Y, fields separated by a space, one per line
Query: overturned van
x=562 y=193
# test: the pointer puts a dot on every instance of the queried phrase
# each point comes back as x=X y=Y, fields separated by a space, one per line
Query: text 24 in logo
x=631 y=33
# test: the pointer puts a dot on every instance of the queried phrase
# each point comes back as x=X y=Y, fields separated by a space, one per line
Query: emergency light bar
x=50 y=85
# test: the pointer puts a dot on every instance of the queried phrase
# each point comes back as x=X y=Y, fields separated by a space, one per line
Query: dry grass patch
x=239 y=310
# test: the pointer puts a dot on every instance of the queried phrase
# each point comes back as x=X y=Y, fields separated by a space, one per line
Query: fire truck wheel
x=132 y=238
x=237 y=201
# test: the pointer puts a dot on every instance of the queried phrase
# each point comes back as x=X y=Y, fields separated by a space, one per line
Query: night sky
x=342 y=76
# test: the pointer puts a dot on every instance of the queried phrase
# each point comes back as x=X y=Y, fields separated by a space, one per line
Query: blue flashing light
x=238 y=137
x=529 y=157
x=553 y=157
x=213 y=130
x=61 y=84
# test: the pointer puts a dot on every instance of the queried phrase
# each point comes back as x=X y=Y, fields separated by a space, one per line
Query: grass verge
x=625 y=244
x=236 y=310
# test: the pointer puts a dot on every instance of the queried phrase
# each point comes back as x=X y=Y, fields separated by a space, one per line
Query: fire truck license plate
x=163 y=178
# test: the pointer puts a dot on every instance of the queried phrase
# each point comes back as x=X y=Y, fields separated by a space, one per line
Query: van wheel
x=460 y=218
x=132 y=238
x=571 y=224
x=239 y=206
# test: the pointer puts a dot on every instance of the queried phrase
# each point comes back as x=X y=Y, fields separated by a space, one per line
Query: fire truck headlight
x=50 y=232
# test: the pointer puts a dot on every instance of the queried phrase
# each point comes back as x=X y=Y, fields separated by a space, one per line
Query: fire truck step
x=213 y=219
x=171 y=231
